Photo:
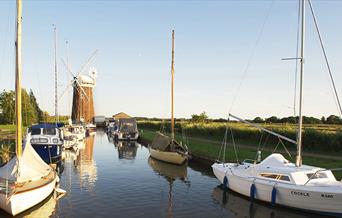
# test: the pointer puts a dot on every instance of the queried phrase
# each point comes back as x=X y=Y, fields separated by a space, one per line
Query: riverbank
x=207 y=150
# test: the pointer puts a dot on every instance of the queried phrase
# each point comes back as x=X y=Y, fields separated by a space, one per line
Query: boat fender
x=59 y=190
x=274 y=196
x=252 y=192
x=225 y=183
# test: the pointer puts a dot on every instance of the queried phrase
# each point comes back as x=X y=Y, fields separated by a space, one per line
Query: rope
x=325 y=58
x=235 y=151
x=250 y=58
x=286 y=149
x=276 y=147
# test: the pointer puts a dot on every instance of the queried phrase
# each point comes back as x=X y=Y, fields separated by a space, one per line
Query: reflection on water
x=45 y=209
x=171 y=173
x=127 y=150
x=240 y=206
x=85 y=164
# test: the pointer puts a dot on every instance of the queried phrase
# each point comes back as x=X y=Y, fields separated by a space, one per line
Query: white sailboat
x=26 y=179
x=276 y=180
x=163 y=147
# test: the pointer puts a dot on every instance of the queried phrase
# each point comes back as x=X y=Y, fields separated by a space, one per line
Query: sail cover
x=161 y=142
x=31 y=166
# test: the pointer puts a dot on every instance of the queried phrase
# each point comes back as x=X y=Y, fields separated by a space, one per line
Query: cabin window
x=271 y=176
x=316 y=176
x=49 y=131
x=35 y=131
x=284 y=178
x=276 y=176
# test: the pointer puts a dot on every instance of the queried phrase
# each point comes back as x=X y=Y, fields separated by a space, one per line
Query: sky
x=227 y=55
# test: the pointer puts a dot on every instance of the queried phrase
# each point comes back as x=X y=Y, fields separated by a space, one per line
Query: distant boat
x=76 y=130
x=127 y=129
x=47 y=140
x=163 y=147
x=26 y=180
x=90 y=127
x=278 y=181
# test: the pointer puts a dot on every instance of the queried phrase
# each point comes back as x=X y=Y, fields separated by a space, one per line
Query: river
x=104 y=179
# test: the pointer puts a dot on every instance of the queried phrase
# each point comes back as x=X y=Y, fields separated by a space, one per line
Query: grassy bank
x=210 y=150
x=316 y=137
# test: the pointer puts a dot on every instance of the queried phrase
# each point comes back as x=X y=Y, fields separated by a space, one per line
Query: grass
x=316 y=138
x=210 y=150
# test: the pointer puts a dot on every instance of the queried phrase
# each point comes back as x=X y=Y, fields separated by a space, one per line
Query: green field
x=316 y=137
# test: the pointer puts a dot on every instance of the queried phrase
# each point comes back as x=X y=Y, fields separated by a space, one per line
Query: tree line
x=332 y=119
x=31 y=112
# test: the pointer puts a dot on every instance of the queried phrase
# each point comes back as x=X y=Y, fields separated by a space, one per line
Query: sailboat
x=26 y=179
x=278 y=181
x=163 y=147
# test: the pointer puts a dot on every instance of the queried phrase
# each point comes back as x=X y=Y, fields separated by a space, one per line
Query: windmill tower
x=83 y=98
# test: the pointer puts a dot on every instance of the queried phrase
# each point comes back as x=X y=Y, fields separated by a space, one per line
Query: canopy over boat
x=30 y=168
x=163 y=142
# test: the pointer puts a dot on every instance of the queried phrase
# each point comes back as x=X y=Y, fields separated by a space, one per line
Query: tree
x=31 y=113
x=7 y=107
x=199 y=118
x=258 y=120
x=333 y=119
x=272 y=119
x=38 y=111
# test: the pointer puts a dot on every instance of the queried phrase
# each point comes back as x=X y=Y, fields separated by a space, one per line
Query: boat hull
x=300 y=197
x=49 y=153
x=22 y=201
x=166 y=156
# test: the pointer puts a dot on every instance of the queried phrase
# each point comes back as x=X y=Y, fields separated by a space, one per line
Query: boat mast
x=56 y=99
x=300 y=123
x=18 y=81
x=172 y=87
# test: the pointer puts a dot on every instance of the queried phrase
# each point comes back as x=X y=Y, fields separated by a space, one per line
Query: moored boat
x=26 y=179
x=127 y=129
x=47 y=140
x=36 y=181
x=163 y=147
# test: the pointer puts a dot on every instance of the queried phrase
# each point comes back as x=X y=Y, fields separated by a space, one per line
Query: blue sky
x=215 y=41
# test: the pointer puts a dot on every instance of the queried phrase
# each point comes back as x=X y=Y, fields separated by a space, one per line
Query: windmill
x=82 y=85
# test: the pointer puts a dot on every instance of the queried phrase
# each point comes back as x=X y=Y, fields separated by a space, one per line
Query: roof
x=121 y=115
x=277 y=163
x=47 y=125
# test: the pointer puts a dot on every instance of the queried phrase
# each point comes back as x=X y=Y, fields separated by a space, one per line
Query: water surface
x=104 y=179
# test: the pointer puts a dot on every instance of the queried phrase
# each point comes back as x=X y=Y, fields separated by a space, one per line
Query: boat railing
x=6 y=186
x=322 y=170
